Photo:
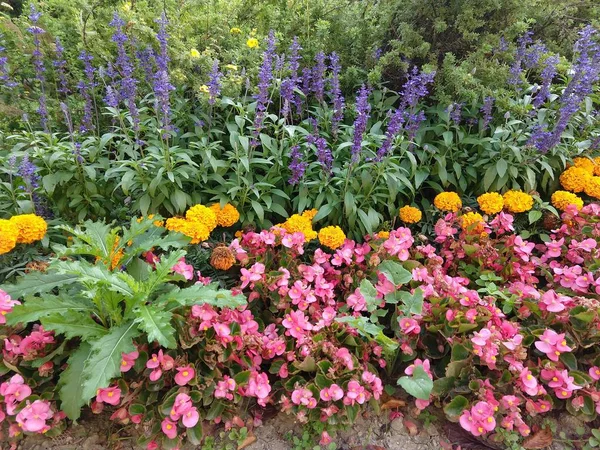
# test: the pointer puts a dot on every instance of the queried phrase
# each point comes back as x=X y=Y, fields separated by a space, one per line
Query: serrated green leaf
x=98 y=275
x=104 y=361
x=34 y=308
x=157 y=324
x=74 y=324
x=162 y=272
x=71 y=381
x=37 y=283
x=198 y=294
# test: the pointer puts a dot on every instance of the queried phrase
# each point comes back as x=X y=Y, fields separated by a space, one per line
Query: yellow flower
x=298 y=223
x=447 y=201
x=410 y=214
x=227 y=215
x=472 y=222
x=8 y=236
x=194 y=53
x=194 y=229
x=490 y=203
x=252 y=43
x=518 y=201
x=585 y=163
x=562 y=199
x=202 y=214
x=116 y=255
x=235 y=30
x=592 y=187
x=203 y=89
x=231 y=67
x=126 y=7
x=383 y=235
x=574 y=179
x=157 y=223
x=310 y=213
x=597 y=166
x=31 y=228
x=332 y=237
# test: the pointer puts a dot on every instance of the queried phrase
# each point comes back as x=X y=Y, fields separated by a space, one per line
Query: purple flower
x=38 y=63
x=4 y=72
x=162 y=85
x=265 y=76
x=112 y=97
x=547 y=76
x=363 y=110
x=394 y=127
x=306 y=79
x=520 y=54
x=289 y=84
x=455 y=112
x=69 y=122
x=60 y=64
x=297 y=165
x=28 y=173
x=318 y=76
x=336 y=92
x=413 y=124
x=147 y=62
x=86 y=88
x=486 y=109
x=415 y=87
x=214 y=84
x=324 y=155
x=279 y=62
x=128 y=85
x=533 y=55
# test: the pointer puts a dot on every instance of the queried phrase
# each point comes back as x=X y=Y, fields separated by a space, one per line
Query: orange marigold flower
x=447 y=201
x=227 y=216
x=332 y=237
x=562 y=199
x=472 y=222
x=8 y=236
x=517 y=201
x=574 y=179
x=202 y=214
x=410 y=214
x=585 y=163
x=222 y=258
x=592 y=187
x=491 y=202
x=31 y=228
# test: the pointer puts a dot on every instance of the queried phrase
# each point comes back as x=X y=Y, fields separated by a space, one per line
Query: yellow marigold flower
x=447 y=201
x=310 y=213
x=231 y=67
x=235 y=30
x=383 y=235
x=31 y=228
x=472 y=222
x=597 y=166
x=194 y=53
x=9 y=233
x=194 y=229
x=203 y=89
x=227 y=215
x=517 y=201
x=222 y=258
x=491 y=202
x=410 y=214
x=332 y=237
x=157 y=223
x=116 y=256
x=562 y=199
x=574 y=179
x=585 y=163
x=252 y=43
x=592 y=187
x=298 y=223
x=204 y=215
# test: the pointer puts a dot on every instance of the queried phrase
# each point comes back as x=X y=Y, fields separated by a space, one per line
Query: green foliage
x=419 y=384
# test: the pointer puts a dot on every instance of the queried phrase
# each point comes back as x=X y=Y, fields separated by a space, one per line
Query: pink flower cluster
x=6 y=305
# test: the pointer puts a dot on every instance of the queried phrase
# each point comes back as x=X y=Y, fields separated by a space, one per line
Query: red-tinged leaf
x=541 y=439
x=411 y=427
x=393 y=404
x=247 y=442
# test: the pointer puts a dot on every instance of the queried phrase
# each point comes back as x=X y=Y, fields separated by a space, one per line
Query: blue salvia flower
x=289 y=84
x=69 y=122
x=38 y=63
x=5 y=79
x=336 y=92
x=415 y=87
x=86 y=89
x=516 y=68
x=146 y=59
x=394 y=127
x=455 y=112
x=486 y=109
x=265 y=76
x=297 y=165
x=413 y=124
x=318 y=77
x=547 y=76
x=162 y=84
x=60 y=64
x=279 y=62
x=306 y=80
x=533 y=55
x=128 y=85
x=112 y=97
x=363 y=110
x=28 y=173
x=324 y=155
x=214 y=83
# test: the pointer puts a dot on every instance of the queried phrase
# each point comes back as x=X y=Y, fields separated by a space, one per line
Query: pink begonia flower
x=523 y=248
x=297 y=324
x=191 y=417
x=344 y=355
x=258 y=386
x=110 y=395
x=594 y=372
x=409 y=326
x=184 y=269
x=554 y=248
x=552 y=344
x=128 y=360
x=355 y=393
x=399 y=242
x=502 y=223
x=159 y=362
x=479 y=420
x=426 y=364
x=152 y=445
x=304 y=397
x=553 y=302
x=255 y=273
x=325 y=438
x=184 y=375
x=33 y=417
x=510 y=402
x=356 y=301
x=181 y=405
x=332 y=393
x=169 y=428
x=6 y=305
x=529 y=382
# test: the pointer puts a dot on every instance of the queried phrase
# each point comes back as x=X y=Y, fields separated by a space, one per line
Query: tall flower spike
x=265 y=76
x=547 y=76
x=60 y=64
x=318 y=77
x=363 y=110
x=86 y=89
x=394 y=127
x=214 y=83
x=4 y=71
x=520 y=54
x=486 y=109
x=324 y=155
x=336 y=92
x=289 y=84
x=162 y=84
x=38 y=63
x=297 y=165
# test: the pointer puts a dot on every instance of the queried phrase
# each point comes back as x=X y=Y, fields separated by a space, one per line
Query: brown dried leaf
x=251 y=439
x=393 y=404
x=541 y=439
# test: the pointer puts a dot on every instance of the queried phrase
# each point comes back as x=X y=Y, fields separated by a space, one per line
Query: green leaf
x=534 y=215
x=157 y=324
x=162 y=272
x=74 y=324
x=36 y=283
x=413 y=302
x=97 y=275
x=459 y=353
x=369 y=292
x=456 y=406
x=34 y=308
x=443 y=385
x=104 y=361
x=199 y=294
x=501 y=167
x=419 y=385
x=395 y=272
x=71 y=382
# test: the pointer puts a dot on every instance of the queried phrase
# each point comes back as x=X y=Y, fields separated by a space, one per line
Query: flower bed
x=495 y=328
